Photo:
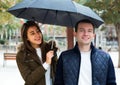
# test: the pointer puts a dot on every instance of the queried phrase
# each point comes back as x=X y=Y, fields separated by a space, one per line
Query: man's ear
x=94 y=36
x=74 y=33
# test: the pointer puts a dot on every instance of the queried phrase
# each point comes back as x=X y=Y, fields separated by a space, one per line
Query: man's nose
x=85 y=33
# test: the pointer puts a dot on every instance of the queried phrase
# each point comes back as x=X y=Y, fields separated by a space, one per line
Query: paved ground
x=117 y=71
x=9 y=75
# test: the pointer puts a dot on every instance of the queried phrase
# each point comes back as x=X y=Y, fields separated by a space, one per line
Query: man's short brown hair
x=83 y=21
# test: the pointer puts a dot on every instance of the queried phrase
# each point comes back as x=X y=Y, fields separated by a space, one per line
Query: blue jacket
x=67 y=72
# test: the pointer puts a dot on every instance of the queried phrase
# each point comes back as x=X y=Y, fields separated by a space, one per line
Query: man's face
x=85 y=33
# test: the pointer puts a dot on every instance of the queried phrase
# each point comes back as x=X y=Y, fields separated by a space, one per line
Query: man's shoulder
x=68 y=51
x=102 y=54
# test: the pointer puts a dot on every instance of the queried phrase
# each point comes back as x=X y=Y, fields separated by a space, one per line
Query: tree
x=8 y=23
x=5 y=16
x=109 y=10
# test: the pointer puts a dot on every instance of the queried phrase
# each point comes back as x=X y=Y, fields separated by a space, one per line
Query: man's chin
x=86 y=43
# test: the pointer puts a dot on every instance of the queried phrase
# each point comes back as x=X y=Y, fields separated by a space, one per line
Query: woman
x=34 y=60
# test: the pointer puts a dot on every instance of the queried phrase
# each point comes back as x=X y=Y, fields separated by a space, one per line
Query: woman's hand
x=49 y=56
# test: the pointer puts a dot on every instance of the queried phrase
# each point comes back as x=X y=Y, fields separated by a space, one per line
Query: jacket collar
x=76 y=48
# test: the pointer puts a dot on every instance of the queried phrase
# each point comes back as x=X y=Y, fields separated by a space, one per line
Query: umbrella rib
x=45 y=16
x=56 y=17
x=21 y=12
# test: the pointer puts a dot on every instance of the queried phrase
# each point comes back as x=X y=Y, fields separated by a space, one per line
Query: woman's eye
x=32 y=33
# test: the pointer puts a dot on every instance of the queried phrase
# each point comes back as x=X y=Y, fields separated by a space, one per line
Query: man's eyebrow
x=81 y=28
x=90 y=29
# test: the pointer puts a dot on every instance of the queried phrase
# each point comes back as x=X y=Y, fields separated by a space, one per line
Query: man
x=85 y=64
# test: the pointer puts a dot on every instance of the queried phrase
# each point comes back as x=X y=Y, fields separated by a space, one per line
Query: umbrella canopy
x=55 y=12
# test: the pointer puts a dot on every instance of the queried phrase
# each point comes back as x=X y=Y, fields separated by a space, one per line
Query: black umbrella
x=55 y=12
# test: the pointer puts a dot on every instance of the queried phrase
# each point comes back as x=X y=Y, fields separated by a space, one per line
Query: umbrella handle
x=52 y=45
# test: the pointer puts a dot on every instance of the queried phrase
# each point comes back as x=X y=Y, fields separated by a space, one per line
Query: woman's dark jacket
x=67 y=72
x=31 y=68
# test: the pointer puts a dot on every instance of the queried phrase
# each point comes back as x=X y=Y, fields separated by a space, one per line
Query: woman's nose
x=37 y=34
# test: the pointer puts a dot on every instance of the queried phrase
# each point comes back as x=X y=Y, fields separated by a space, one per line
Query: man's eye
x=89 y=30
x=81 y=30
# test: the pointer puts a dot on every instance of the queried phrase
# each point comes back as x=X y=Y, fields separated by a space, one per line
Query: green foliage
x=7 y=20
x=2 y=42
x=103 y=28
x=5 y=16
x=107 y=9
x=81 y=1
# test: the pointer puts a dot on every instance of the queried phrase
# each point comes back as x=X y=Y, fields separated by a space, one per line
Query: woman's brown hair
x=24 y=29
